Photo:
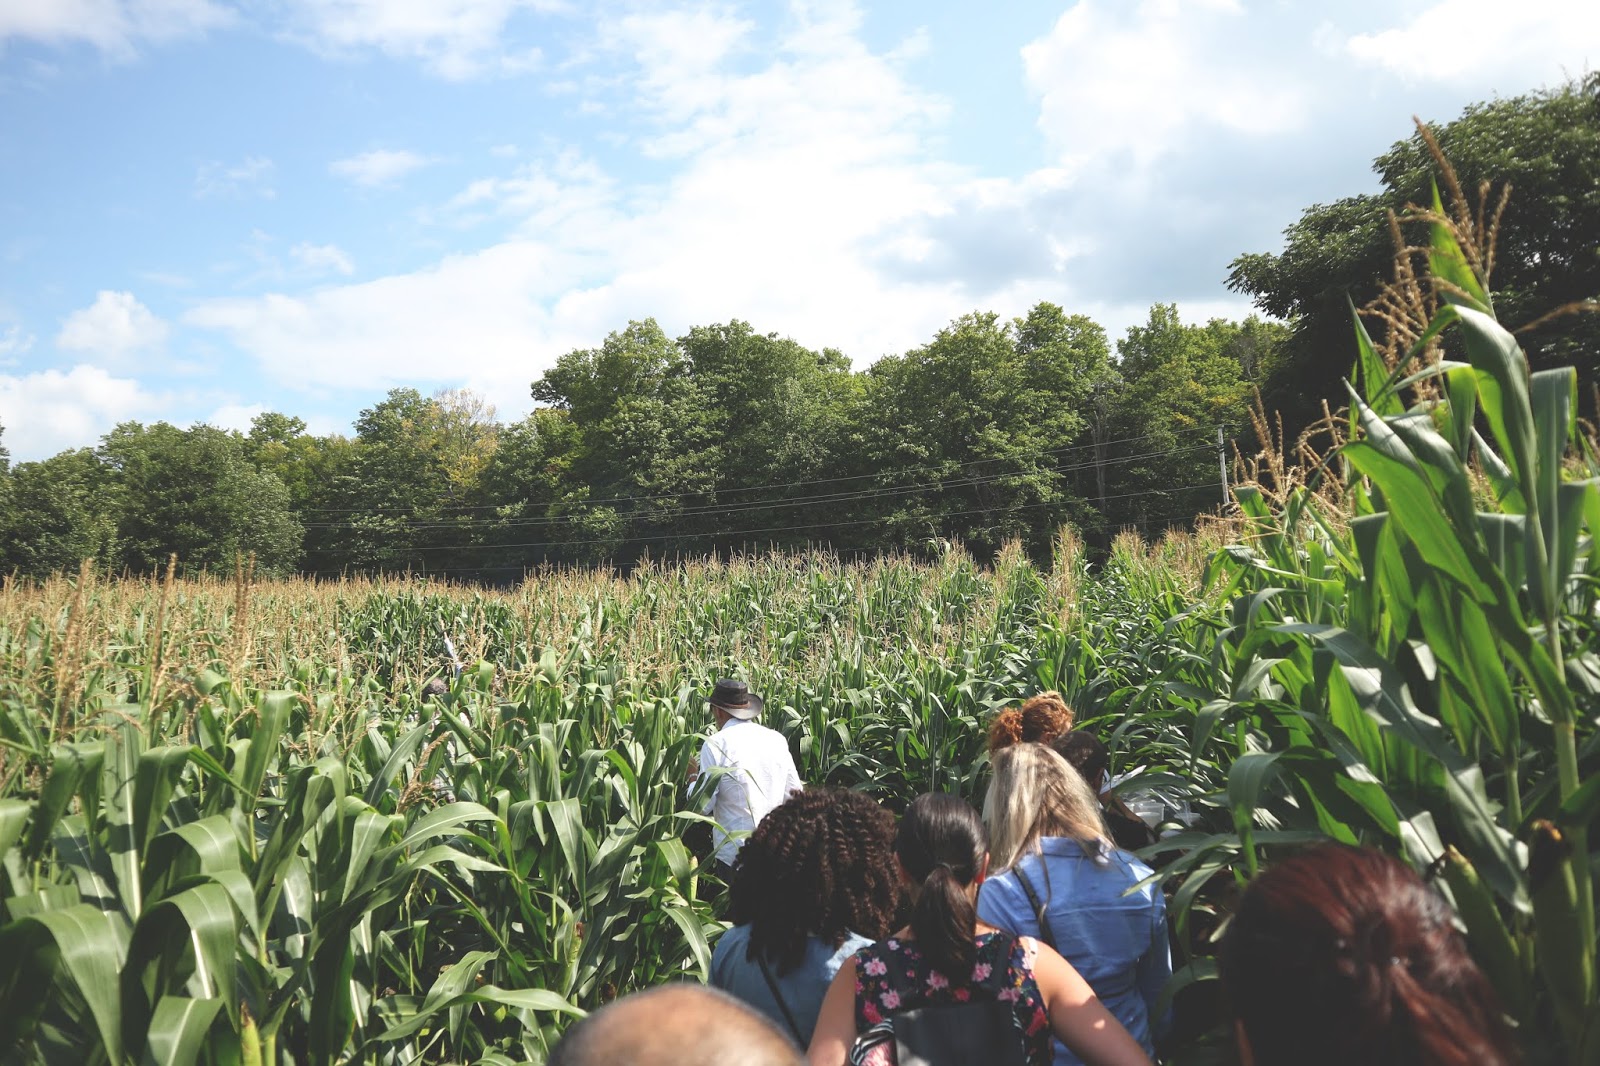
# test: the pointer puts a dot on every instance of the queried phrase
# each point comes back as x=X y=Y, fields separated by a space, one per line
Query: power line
x=525 y=567
x=743 y=488
x=759 y=505
x=773 y=529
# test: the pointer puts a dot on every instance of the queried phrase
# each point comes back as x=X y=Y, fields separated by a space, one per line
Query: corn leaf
x=178 y=1028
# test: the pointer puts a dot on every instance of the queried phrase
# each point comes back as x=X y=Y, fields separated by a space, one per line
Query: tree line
x=720 y=440
x=727 y=438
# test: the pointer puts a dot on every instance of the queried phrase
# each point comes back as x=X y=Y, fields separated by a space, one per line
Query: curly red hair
x=1040 y=719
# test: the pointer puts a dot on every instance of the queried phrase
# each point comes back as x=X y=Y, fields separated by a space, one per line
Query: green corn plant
x=212 y=902
x=1418 y=673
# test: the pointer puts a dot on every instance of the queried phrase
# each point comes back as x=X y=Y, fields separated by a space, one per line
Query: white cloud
x=815 y=154
x=1133 y=82
x=467 y=315
x=251 y=176
x=116 y=27
x=236 y=416
x=51 y=410
x=454 y=39
x=116 y=325
x=1532 y=41
x=378 y=167
x=797 y=185
x=322 y=257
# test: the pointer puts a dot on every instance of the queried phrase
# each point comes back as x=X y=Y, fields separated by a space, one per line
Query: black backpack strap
x=788 y=1016
x=1038 y=907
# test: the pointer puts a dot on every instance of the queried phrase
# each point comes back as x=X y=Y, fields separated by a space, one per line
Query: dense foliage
x=729 y=439
x=231 y=828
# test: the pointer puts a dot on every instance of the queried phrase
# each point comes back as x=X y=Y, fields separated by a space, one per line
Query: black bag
x=957 y=1034
x=981 y=1031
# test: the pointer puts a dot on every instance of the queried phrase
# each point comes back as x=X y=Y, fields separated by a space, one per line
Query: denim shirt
x=1117 y=942
x=733 y=971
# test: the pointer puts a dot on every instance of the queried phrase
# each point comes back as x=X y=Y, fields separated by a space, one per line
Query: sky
x=212 y=209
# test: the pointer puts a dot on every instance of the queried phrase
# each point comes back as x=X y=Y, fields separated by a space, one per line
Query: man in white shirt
x=762 y=773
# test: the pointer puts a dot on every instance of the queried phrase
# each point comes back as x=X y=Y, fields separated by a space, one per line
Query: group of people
x=1027 y=935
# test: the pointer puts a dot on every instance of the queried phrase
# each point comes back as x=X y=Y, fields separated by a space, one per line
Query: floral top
x=893 y=975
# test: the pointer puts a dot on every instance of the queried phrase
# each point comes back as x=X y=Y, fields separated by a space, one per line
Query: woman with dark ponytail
x=1343 y=955
x=946 y=957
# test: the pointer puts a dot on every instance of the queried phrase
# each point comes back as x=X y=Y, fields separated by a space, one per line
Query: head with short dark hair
x=1039 y=720
x=1087 y=754
x=675 y=1025
x=1343 y=955
x=821 y=864
x=943 y=849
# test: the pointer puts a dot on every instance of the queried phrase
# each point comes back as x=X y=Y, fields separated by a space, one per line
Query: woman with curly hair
x=815 y=882
x=1041 y=719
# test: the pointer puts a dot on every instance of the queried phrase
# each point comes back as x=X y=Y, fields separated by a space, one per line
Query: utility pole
x=1100 y=402
x=1222 y=466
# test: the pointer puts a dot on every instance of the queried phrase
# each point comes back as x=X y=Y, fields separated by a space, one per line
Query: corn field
x=238 y=825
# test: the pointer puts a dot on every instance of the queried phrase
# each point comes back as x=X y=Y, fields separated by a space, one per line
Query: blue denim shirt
x=733 y=971
x=1117 y=942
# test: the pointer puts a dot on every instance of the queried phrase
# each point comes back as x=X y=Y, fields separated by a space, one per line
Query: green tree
x=1180 y=384
x=1073 y=365
x=778 y=415
x=1546 y=145
x=644 y=455
x=409 y=483
x=61 y=511
x=278 y=444
x=315 y=471
x=195 y=493
x=971 y=430
x=5 y=473
x=527 y=496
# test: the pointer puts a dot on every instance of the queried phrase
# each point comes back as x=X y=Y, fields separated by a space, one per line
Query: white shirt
x=763 y=777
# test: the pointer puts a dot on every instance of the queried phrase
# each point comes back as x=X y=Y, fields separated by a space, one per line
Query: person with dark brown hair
x=1088 y=755
x=1041 y=719
x=815 y=882
x=951 y=975
x=1344 y=955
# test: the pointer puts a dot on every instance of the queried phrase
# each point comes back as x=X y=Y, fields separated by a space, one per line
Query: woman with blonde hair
x=1061 y=880
x=1041 y=719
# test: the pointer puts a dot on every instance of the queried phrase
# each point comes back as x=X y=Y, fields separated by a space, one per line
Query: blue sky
x=210 y=209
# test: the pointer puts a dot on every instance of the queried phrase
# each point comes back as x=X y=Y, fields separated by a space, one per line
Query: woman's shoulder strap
x=1037 y=904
